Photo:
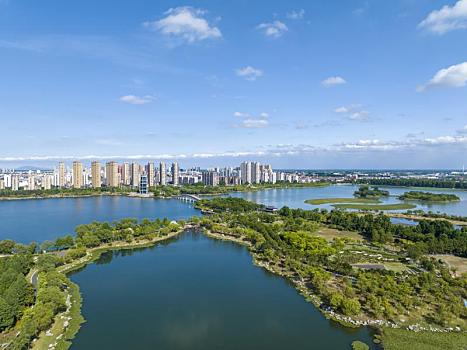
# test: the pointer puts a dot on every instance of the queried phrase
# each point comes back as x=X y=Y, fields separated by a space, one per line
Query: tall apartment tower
x=126 y=175
x=14 y=182
x=61 y=174
x=111 y=172
x=162 y=174
x=150 y=174
x=255 y=172
x=175 y=173
x=245 y=169
x=135 y=174
x=31 y=183
x=47 y=182
x=96 y=174
x=77 y=174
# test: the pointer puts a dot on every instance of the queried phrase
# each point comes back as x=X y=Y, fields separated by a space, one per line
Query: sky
x=298 y=84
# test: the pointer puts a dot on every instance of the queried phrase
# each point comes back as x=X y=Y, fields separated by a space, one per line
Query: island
x=366 y=191
x=429 y=197
x=358 y=270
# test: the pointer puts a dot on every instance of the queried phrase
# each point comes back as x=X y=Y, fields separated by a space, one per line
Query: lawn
x=397 y=206
x=320 y=201
x=400 y=339
x=456 y=263
x=330 y=233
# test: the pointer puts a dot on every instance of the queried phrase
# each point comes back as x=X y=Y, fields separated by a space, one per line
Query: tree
x=7 y=315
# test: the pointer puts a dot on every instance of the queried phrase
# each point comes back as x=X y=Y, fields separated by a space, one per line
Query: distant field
x=320 y=201
x=398 y=206
x=454 y=262
x=400 y=339
x=331 y=233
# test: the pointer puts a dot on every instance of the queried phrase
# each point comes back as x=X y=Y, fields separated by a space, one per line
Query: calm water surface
x=198 y=293
x=41 y=219
x=295 y=197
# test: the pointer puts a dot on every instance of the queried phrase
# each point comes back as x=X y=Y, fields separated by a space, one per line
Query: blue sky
x=313 y=84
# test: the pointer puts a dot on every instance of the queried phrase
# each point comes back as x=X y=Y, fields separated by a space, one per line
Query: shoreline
x=327 y=312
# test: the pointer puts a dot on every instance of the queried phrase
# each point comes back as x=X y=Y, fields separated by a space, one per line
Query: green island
x=359 y=270
x=366 y=191
x=429 y=197
x=395 y=206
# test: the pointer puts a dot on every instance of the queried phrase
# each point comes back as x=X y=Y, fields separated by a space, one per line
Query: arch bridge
x=191 y=198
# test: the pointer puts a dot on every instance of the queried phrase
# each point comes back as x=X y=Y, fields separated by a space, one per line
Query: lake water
x=295 y=197
x=198 y=293
x=45 y=219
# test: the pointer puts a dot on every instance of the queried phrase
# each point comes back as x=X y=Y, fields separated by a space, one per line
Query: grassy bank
x=400 y=339
x=320 y=201
x=397 y=206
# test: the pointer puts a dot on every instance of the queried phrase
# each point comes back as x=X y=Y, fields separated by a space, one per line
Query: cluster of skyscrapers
x=137 y=176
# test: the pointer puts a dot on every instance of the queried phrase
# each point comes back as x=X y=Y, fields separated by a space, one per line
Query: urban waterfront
x=46 y=219
x=195 y=292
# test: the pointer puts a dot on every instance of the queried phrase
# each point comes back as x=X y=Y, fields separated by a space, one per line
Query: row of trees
x=366 y=191
x=429 y=197
x=414 y=182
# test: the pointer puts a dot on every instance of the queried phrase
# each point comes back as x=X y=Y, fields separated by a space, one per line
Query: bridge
x=191 y=198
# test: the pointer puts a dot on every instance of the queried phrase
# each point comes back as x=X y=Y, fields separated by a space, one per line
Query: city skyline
x=294 y=84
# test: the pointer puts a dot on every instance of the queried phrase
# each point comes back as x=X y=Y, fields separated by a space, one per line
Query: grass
x=320 y=201
x=401 y=339
x=330 y=233
x=456 y=263
x=397 y=206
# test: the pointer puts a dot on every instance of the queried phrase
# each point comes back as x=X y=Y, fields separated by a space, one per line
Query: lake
x=198 y=293
x=45 y=219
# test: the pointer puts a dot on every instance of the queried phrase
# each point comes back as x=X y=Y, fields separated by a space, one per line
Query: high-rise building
x=135 y=174
x=96 y=174
x=77 y=174
x=47 y=182
x=61 y=174
x=162 y=174
x=111 y=173
x=255 y=173
x=175 y=173
x=14 y=182
x=143 y=184
x=210 y=178
x=150 y=174
x=126 y=175
x=2 y=184
x=245 y=169
x=31 y=183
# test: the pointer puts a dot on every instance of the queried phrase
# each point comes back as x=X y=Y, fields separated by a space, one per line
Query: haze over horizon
x=323 y=85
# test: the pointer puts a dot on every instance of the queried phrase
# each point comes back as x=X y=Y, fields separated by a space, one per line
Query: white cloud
x=354 y=112
x=333 y=81
x=187 y=23
x=463 y=130
x=446 y=19
x=453 y=76
x=249 y=73
x=137 y=100
x=296 y=14
x=250 y=123
x=274 y=29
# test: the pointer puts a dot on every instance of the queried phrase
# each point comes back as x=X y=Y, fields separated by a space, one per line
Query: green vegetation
x=341 y=200
x=430 y=214
x=396 y=206
x=409 y=182
x=286 y=243
x=24 y=315
x=201 y=189
x=429 y=197
x=63 y=192
x=358 y=345
x=400 y=339
x=367 y=192
x=230 y=204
